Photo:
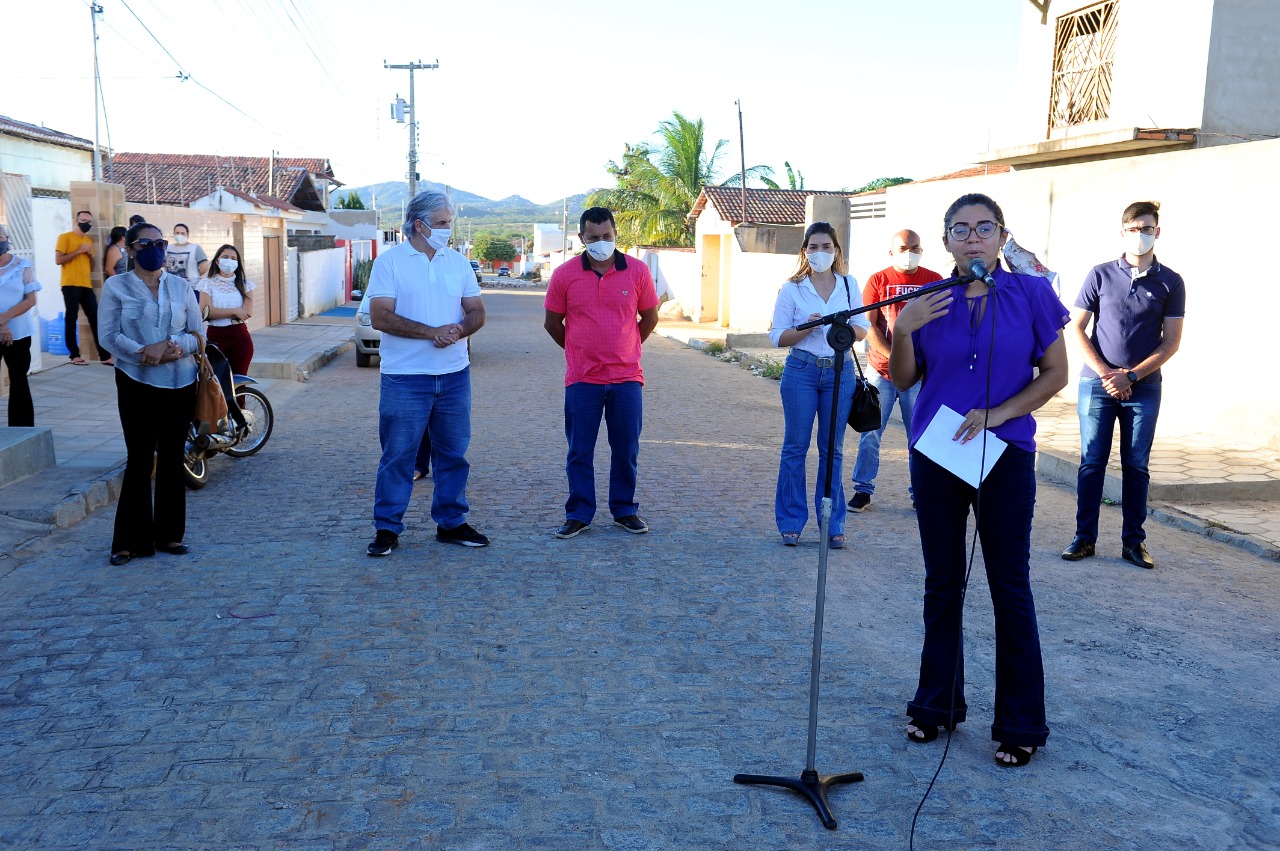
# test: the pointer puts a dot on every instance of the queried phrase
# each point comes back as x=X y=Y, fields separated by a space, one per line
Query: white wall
x=320 y=279
x=756 y=281
x=1242 y=93
x=678 y=273
x=291 y=287
x=50 y=218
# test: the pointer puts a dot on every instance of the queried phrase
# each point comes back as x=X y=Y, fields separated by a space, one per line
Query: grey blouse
x=130 y=318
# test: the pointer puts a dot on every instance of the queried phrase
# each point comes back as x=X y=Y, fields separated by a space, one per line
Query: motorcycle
x=245 y=430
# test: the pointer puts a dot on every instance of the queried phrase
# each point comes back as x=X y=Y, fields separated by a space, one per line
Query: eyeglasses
x=147 y=242
x=985 y=230
x=1148 y=230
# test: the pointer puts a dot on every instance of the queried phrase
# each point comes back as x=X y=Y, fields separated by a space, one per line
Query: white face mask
x=1138 y=244
x=820 y=261
x=601 y=251
x=437 y=238
x=228 y=265
x=180 y=238
x=908 y=262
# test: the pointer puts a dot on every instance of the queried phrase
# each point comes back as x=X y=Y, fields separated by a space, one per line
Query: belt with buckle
x=808 y=357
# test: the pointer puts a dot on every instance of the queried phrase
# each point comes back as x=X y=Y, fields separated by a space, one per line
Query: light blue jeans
x=807 y=391
x=408 y=406
x=867 y=467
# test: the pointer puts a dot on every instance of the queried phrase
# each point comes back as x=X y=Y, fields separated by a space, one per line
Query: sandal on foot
x=1020 y=756
x=837 y=542
x=925 y=733
x=790 y=539
x=417 y=474
x=79 y=362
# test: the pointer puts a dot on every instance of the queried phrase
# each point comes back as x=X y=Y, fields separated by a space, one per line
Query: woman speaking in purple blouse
x=976 y=348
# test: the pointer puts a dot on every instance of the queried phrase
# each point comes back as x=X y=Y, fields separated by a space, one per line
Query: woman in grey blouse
x=145 y=319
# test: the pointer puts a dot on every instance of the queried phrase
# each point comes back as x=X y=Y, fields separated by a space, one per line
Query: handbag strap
x=848 y=297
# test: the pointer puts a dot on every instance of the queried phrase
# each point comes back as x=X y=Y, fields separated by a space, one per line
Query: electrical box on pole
x=413 y=117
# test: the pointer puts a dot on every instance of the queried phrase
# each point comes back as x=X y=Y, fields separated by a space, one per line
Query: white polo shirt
x=425 y=290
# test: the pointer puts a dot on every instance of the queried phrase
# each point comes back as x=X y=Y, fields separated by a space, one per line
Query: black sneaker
x=571 y=529
x=632 y=524
x=383 y=543
x=860 y=501
x=463 y=535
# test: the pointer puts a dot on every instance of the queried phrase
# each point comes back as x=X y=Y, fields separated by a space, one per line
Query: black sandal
x=925 y=733
x=1020 y=757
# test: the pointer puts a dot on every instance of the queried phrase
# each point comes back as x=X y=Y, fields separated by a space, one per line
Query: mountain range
x=392 y=194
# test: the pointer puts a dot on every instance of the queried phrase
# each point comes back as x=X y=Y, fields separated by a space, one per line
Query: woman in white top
x=819 y=286
x=147 y=319
x=17 y=296
x=226 y=302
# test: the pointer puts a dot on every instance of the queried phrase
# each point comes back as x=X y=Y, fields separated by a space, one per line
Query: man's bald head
x=905 y=250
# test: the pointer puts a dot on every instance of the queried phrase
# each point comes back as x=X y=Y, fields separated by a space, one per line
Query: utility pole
x=564 y=230
x=94 y=11
x=413 y=117
x=742 y=151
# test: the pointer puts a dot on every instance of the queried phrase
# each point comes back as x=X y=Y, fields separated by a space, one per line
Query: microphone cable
x=964 y=588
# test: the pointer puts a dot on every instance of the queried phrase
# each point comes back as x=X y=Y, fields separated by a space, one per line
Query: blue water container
x=55 y=336
x=44 y=333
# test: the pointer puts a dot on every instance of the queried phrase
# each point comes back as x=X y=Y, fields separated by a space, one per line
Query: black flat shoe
x=1078 y=548
x=118 y=559
x=1020 y=757
x=1137 y=554
x=173 y=549
x=925 y=733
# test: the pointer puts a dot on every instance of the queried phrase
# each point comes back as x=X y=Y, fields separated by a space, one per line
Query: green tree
x=657 y=186
x=351 y=202
x=794 y=178
x=882 y=183
x=490 y=247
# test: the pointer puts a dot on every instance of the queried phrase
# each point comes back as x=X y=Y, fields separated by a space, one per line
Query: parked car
x=475 y=267
x=504 y=271
x=368 y=338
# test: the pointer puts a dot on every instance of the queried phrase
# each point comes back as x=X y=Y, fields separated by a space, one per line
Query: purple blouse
x=953 y=352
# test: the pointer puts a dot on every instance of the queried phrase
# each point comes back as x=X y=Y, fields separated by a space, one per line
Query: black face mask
x=85 y=227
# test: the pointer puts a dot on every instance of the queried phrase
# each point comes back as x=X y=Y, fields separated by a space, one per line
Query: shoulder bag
x=864 y=413
x=211 y=404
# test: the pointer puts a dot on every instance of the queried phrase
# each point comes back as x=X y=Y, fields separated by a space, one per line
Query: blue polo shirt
x=1129 y=312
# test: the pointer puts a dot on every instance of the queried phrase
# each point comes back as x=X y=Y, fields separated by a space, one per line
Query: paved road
x=278 y=688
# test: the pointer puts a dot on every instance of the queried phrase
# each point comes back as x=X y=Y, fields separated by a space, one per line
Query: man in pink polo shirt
x=592 y=308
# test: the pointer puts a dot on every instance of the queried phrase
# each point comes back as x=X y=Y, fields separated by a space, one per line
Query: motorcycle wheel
x=259 y=409
x=195 y=467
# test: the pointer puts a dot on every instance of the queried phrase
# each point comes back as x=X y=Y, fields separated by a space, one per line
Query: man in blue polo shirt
x=1136 y=306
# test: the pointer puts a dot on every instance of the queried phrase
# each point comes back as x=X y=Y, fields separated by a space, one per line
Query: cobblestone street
x=277 y=688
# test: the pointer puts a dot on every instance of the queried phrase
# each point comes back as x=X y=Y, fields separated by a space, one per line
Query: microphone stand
x=811 y=784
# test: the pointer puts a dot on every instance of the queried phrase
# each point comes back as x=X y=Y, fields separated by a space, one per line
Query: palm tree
x=658 y=186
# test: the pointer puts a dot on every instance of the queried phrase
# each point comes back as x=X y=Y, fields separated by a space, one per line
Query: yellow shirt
x=78 y=272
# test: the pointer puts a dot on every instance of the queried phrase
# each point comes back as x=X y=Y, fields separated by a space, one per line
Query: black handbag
x=864 y=413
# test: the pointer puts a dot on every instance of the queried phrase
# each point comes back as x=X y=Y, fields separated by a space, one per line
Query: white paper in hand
x=963 y=459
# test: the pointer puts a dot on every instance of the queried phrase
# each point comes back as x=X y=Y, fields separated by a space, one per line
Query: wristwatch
x=1132 y=376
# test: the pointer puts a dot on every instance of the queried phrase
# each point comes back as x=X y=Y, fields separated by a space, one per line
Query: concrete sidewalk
x=1226 y=491
x=78 y=403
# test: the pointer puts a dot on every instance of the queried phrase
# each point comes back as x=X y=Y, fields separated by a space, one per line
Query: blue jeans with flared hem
x=1137 y=416
x=408 y=406
x=943 y=502
x=867 y=466
x=807 y=391
x=622 y=408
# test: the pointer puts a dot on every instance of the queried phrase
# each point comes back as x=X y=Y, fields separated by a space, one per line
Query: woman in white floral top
x=227 y=302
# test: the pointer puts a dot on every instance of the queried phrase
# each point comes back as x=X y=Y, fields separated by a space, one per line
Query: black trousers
x=154 y=420
x=17 y=356
x=74 y=298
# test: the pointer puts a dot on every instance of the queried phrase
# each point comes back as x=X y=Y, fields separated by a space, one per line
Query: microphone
x=979 y=270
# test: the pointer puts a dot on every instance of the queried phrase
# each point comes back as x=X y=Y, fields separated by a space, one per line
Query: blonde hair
x=803 y=269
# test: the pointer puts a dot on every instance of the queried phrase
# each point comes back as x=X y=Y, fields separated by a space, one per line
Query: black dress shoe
x=173 y=549
x=1137 y=554
x=1078 y=548
x=118 y=559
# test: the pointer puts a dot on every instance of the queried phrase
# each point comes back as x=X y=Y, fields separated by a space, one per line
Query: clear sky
x=531 y=98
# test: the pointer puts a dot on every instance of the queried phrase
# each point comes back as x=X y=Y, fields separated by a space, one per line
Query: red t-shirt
x=601 y=335
x=891 y=283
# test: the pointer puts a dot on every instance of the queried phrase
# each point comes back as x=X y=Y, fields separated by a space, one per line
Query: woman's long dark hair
x=117 y=234
x=239 y=273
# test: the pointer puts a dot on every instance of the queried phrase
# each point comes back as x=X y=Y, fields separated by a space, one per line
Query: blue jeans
x=623 y=410
x=867 y=467
x=408 y=406
x=1098 y=414
x=942 y=512
x=807 y=392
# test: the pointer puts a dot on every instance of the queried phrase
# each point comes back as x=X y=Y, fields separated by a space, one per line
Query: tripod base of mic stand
x=811 y=784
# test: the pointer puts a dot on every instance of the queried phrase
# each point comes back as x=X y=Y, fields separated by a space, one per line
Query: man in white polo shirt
x=425 y=301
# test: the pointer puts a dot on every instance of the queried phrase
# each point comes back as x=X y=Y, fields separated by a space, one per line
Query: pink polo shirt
x=601 y=337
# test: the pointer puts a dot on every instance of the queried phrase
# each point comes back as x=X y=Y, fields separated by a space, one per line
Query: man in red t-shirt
x=906 y=275
x=592 y=307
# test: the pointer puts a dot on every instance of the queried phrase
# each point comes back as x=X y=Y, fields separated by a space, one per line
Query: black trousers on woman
x=154 y=420
x=17 y=356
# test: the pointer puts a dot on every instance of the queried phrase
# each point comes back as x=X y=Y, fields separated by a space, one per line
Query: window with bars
x=1083 y=56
